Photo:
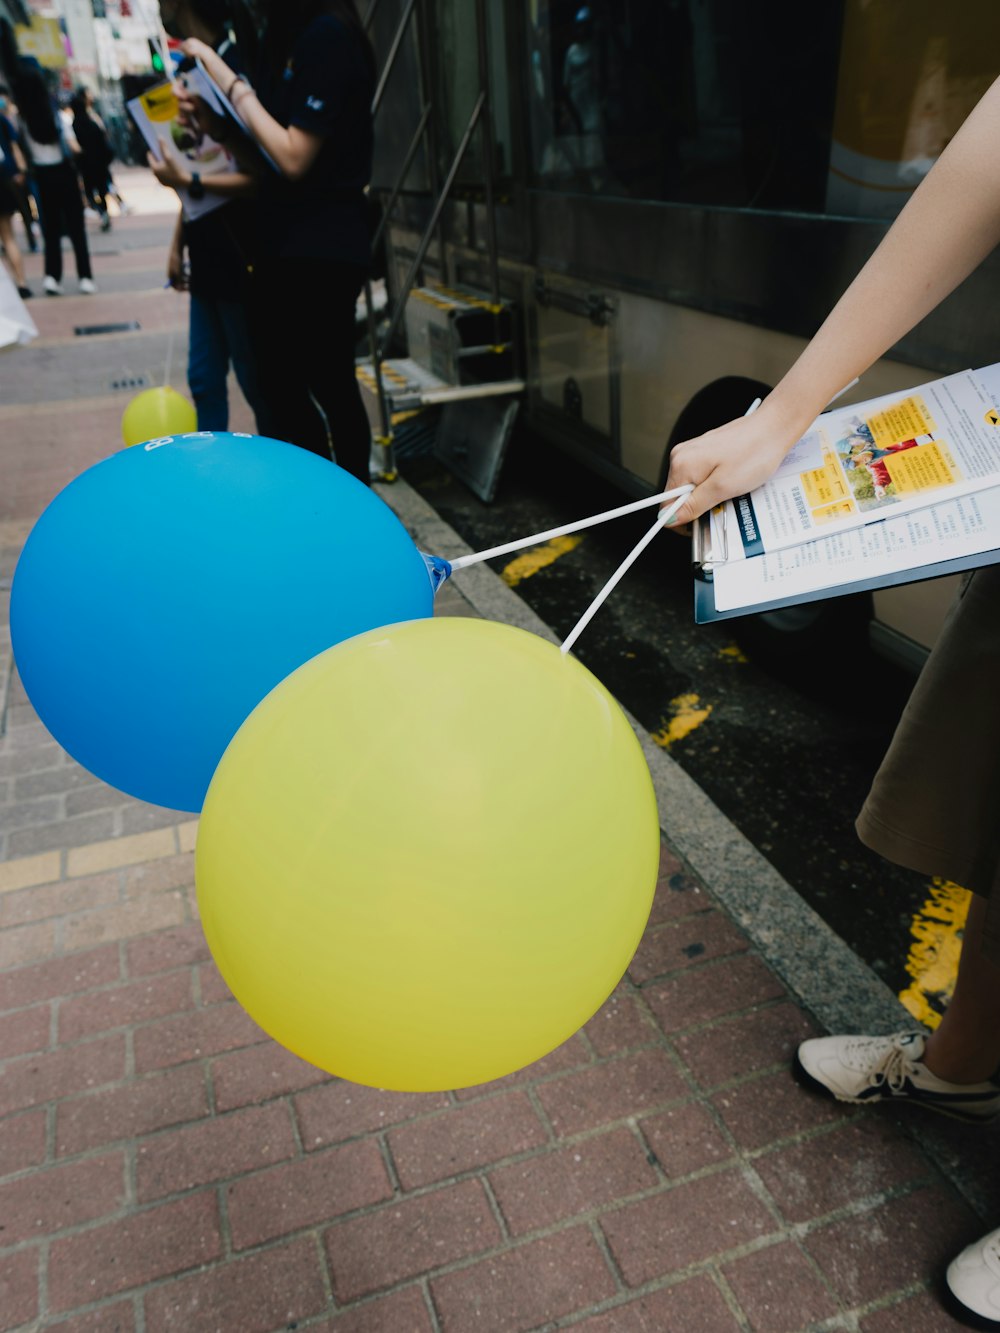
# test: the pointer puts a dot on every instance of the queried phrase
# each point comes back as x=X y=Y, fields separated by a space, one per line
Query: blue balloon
x=166 y=590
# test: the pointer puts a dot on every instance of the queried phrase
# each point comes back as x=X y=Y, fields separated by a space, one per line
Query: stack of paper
x=903 y=487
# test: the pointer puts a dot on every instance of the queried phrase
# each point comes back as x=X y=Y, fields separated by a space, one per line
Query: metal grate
x=130 y=382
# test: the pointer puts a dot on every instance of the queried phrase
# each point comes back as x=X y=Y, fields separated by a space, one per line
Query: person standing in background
x=13 y=172
x=309 y=109
x=95 y=153
x=221 y=245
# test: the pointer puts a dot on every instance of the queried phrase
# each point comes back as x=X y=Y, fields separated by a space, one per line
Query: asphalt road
x=785 y=749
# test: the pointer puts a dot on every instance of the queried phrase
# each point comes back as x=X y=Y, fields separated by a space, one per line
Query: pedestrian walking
x=96 y=154
x=934 y=803
x=13 y=173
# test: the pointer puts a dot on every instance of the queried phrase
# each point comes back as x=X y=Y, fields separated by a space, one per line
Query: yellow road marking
x=688 y=714
x=933 y=958
x=734 y=652
x=532 y=561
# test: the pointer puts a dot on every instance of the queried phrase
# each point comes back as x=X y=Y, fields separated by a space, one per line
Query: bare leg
x=966 y=1046
x=11 y=250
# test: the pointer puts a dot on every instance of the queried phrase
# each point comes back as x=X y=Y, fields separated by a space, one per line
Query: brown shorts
x=934 y=805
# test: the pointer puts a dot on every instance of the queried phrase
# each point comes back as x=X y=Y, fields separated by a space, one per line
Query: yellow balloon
x=156 y=412
x=427 y=857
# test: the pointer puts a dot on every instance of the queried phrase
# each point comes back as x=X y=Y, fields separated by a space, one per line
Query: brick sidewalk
x=165 y=1166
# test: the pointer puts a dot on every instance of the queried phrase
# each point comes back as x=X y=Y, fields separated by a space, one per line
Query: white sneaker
x=87 y=286
x=974 y=1278
x=52 y=287
x=871 y=1069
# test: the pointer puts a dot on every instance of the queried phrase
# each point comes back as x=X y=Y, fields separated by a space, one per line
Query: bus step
x=411 y=387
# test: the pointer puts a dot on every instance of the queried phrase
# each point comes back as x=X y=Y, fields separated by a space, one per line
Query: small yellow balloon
x=427 y=857
x=157 y=412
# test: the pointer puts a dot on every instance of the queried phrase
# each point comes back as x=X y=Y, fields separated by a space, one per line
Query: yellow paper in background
x=904 y=420
x=922 y=468
x=160 y=103
x=825 y=484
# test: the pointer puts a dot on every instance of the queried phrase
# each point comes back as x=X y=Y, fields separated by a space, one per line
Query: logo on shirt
x=314 y=103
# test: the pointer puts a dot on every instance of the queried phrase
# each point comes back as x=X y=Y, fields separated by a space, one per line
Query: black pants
x=62 y=214
x=303 y=331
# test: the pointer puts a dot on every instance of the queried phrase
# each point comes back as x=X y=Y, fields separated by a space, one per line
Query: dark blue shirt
x=326 y=88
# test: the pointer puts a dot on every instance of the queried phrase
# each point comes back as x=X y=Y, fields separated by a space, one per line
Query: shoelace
x=894 y=1068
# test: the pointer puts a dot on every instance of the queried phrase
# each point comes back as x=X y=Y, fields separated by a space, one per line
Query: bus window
x=839 y=107
x=458 y=83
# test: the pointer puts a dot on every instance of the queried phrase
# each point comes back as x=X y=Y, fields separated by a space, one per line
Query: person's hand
x=169 y=169
x=729 y=461
x=195 y=113
x=176 y=272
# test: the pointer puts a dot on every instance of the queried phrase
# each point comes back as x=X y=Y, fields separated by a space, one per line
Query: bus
x=665 y=197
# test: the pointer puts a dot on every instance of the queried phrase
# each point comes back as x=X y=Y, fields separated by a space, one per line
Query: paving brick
x=694 y=1306
x=679 y=944
x=268 y=1291
x=923 y=1313
x=856 y=1161
x=39 y=1204
x=18 y=1288
x=133 y=1002
x=578 y=1178
x=465 y=1137
x=304 y=1193
x=774 y=1107
x=63 y=898
x=717 y=988
x=627 y=1086
x=525 y=1287
x=172 y=1041
x=570 y=1055
x=171 y=872
x=120 y=852
x=258 y=1073
x=29 y=814
x=780 y=1290
x=159 y=1242
x=405 y=1311
x=685 y=1139
x=26 y=944
x=22 y=1141
x=116 y=1318
x=54 y=781
x=878 y=1252
x=215 y=1149
x=167 y=949
x=29 y=870
x=123 y=920
x=340 y=1110
x=684 y=1225
x=677 y=894
x=34 y=1079
x=59 y=976
x=40 y=757
x=25 y=1030
x=130 y=1110
x=97 y=796
x=737 y=1046
x=621 y=1024
x=213 y=987
x=400 y=1240
x=69 y=833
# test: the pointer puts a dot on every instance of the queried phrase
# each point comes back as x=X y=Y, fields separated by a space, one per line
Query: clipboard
x=705 y=611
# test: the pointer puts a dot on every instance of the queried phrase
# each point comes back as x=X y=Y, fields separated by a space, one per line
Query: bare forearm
x=945 y=231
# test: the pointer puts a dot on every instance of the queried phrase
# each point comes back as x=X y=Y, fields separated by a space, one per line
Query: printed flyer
x=871 y=462
x=155 y=114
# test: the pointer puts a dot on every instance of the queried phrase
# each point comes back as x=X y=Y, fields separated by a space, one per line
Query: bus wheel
x=717 y=403
x=811 y=634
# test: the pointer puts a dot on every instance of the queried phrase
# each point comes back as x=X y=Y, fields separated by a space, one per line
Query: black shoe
x=25 y=293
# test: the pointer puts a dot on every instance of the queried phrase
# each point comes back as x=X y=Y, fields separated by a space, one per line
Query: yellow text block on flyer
x=922 y=468
x=160 y=103
x=823 y=485
x=900 y=421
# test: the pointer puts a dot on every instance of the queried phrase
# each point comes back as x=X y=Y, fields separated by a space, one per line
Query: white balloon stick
x=664 y=516
x=464 y=560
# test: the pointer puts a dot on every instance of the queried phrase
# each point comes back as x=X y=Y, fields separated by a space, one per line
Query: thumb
x=701 y=499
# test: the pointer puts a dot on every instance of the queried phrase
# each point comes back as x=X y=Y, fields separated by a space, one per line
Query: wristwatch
x=196 y=190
